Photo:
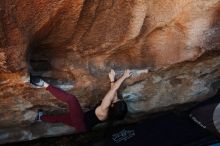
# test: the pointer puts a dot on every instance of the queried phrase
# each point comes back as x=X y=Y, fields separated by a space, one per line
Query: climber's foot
x=36 y=81
x=40 y=113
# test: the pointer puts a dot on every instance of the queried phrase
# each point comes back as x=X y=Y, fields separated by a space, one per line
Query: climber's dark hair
x=118 y=111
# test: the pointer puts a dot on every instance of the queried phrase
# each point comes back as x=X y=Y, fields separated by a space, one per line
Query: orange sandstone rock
x=74 y=43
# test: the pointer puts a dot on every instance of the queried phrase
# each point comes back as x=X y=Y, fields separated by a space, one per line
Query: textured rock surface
x=74 y=43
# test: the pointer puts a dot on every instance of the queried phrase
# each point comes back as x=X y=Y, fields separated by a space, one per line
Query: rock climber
x=111 y=106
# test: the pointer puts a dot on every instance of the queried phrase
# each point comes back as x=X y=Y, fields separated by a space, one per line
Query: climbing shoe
x=40 y=113
x=36 y=81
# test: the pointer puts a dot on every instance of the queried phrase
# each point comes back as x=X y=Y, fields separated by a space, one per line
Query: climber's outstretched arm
x=102 y=110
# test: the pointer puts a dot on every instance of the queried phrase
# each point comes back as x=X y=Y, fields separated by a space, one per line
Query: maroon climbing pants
x=74 y=118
